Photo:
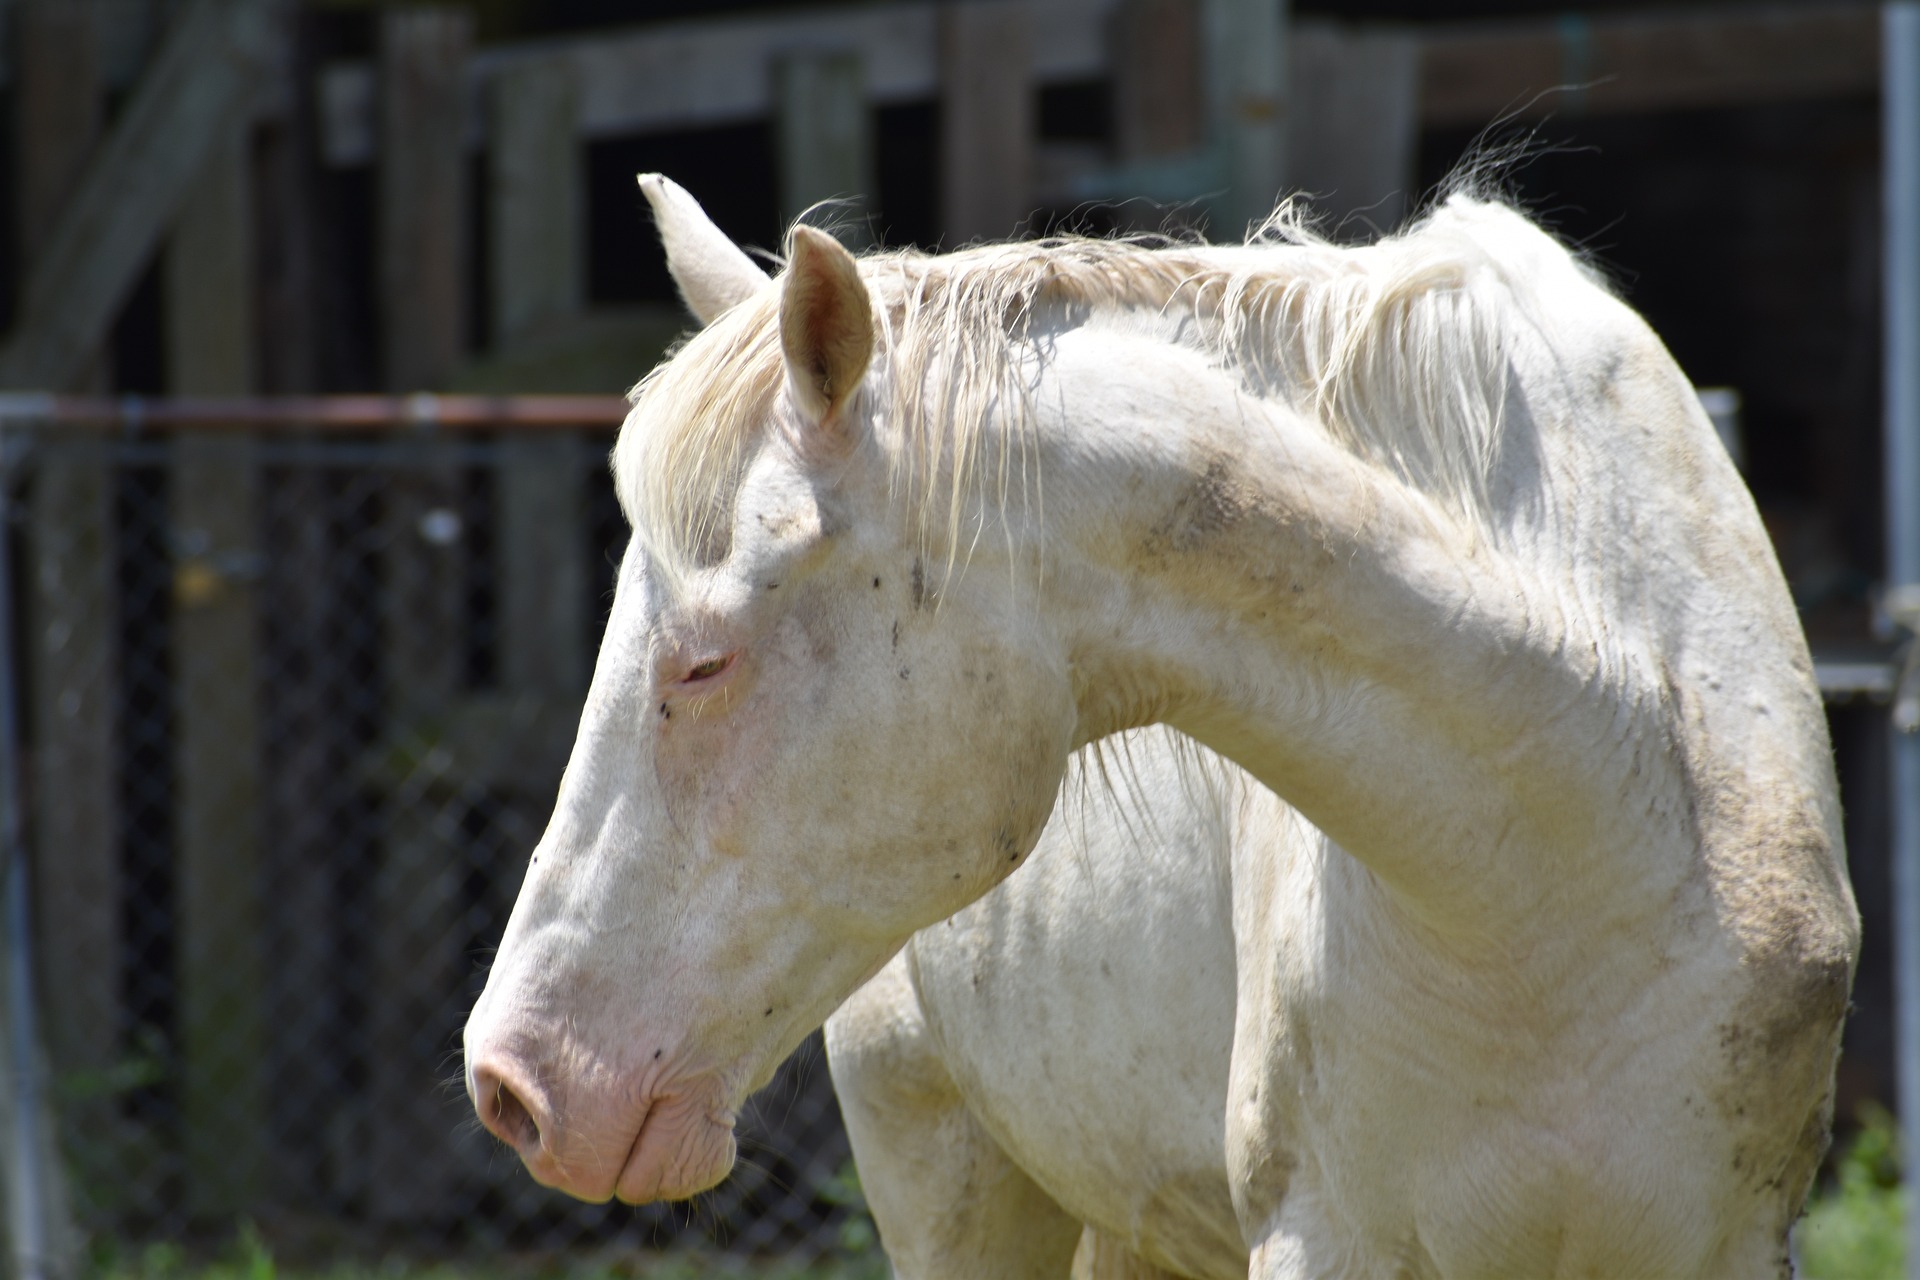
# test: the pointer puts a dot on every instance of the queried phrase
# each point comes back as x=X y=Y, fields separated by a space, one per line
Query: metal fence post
x=41 y=1239
x=1900 y=97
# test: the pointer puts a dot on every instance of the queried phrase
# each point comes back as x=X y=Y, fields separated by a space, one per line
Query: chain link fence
x=294 y=704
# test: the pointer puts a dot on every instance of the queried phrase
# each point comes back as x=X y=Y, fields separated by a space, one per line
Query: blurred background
x=317 y=317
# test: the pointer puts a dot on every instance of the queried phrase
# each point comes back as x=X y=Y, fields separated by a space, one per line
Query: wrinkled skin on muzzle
x=788 y=762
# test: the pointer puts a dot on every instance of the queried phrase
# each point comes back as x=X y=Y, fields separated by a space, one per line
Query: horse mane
x=1397 y=349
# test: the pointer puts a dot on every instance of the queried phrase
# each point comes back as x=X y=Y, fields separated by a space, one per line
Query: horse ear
x=826 y=323
x=712 y=272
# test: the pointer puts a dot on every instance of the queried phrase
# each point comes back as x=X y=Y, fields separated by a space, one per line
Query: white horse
x=1048 y=1067
x=1431 y=537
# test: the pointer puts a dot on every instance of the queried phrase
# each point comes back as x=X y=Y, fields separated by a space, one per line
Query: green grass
x=1853 y=1229
x=854 y=1255
x=249 y=1258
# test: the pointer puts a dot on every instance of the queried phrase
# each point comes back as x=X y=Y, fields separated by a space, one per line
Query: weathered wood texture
x=68 y=597
x=823 y=127
x=213 y=495
x=205 y=72
x=987 y=122
x=287 y=218
x=536 y=198
x=410 y=1130
x=422 y=210
x=699 y=72
x=1246 y=43
x=540 y=493
x=61 y=110
x=1159 y=98
x=1355 y=122
x=1649 y=62
x=695 y=73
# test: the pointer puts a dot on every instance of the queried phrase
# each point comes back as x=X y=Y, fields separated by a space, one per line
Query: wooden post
x=825 y=139
x=986 y=120
x=535 y=194
x=307 y=736
x=286 y=220
x=423 y=193
x=1356 y=121
x=212 y=488
x=410 y=1130
x=62 y=105
x=536 y=254
x=1247 y=58
x=204 y=73
x=72 y=620
x=1159 y=100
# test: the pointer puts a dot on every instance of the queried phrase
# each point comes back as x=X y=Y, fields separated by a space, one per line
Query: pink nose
x=503 y=1109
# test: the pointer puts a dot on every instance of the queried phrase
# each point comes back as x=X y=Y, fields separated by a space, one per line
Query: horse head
x=806 y=738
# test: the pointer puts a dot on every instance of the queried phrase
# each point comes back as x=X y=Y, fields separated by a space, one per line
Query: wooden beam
x=422 y=214
x=70 y=600
x=208 y=287
x=124 y=36
x=1470 y=76
x=204 y=73
x=823 y=127
x=697 y=73
x=1355 y=124
x=60 y=113
x=1159 y=102
x=287 y=215
x=987 y=126
x=411 y=1134
x=535 y=197
x=1246 y=42
x=690 y=74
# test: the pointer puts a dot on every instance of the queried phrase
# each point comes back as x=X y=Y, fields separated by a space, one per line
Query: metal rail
x=29 y=1184
x=422 y=411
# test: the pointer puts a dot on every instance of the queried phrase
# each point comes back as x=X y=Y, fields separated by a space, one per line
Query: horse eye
x=708 y=669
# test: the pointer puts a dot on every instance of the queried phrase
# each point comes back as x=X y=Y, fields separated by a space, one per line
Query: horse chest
x=1085 y=1011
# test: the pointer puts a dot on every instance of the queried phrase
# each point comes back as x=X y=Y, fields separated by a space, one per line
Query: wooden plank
x=62 y=107
x=355 y=414
x=1247 y=80
x=422 y=214
x=535 y=195
x=691 y=74
x=1355 y=122
x=1159 y=103
x=695 y=73
x=204 y=73
x=1470 y=76
x=212 y=491
x=125 y=34
x=286 y=216
x=410 y=1130
x=540 y=488
x=823 y=128
x=70 y=655
x=308 y=730
x=986 y=120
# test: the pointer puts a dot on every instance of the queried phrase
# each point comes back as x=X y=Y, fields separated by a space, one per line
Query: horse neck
x=1234 y=572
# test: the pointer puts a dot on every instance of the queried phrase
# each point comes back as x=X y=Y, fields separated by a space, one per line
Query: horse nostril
x=505 y=1116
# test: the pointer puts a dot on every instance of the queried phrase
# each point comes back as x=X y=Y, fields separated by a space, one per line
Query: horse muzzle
x=597 y=1136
